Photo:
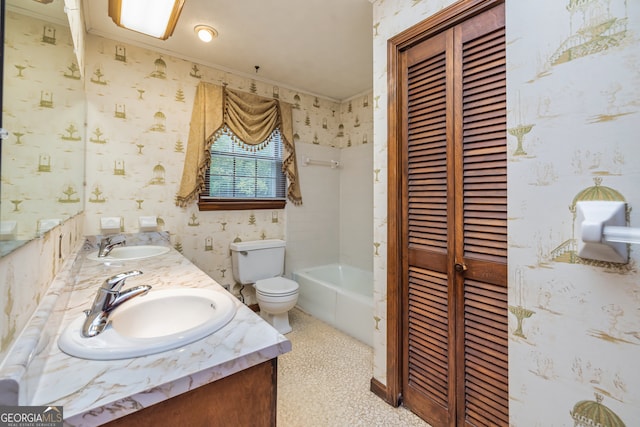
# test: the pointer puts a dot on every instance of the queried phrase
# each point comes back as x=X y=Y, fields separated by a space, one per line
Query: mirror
x=43 y=113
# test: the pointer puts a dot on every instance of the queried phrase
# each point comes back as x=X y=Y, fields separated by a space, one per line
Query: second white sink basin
x=159 y=321
x=129 y=253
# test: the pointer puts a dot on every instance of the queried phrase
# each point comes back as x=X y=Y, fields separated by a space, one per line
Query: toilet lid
x=276 y=285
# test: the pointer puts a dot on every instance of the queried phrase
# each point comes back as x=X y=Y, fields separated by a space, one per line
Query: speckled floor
x=324 y=381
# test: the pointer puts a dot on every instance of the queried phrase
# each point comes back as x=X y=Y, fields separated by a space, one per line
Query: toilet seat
x=276 y=286
x=260 y=295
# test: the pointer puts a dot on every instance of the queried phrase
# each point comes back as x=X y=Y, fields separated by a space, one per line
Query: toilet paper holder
x=603 y=233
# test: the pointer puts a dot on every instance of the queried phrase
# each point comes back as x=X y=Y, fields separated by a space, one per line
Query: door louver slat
x=427 y=145
x=484 y=143
x=486 y=353
x=428 y=333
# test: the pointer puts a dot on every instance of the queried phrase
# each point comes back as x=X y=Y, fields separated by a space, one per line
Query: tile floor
x=324 y=381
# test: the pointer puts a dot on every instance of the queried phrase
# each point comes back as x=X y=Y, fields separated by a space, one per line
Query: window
x=243 y=176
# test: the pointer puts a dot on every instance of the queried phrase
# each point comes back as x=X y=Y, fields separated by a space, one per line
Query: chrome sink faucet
x=108 y=243
x=109 y=298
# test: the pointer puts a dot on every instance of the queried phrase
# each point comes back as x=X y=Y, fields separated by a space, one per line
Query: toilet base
x=278 y=321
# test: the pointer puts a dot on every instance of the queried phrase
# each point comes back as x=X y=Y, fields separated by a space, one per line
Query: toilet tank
x=255 y=260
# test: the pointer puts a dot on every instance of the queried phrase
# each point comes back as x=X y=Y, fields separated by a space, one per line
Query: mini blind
x=240 y=171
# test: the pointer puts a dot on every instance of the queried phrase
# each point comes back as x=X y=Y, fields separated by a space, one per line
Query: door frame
x=396 y=110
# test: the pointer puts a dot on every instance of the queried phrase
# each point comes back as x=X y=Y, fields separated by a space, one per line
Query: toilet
x=261 y=263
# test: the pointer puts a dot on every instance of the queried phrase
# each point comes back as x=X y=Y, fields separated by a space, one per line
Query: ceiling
x=321 y=47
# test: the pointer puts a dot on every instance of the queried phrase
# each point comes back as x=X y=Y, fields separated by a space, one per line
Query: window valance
x=251 y=118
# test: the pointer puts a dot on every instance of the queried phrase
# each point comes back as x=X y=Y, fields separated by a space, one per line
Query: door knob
x=460 y=267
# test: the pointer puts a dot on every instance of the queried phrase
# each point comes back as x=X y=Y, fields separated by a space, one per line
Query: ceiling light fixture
x=205 y=33
x=155 y=18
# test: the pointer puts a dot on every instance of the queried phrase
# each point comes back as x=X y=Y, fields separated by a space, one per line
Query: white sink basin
x=159 y=321
x=129 y=253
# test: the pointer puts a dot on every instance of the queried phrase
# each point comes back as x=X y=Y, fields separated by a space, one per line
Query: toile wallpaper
x=573 y=84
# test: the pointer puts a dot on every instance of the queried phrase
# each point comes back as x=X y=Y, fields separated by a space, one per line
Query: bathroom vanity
x=226 y=378
x=247 y=398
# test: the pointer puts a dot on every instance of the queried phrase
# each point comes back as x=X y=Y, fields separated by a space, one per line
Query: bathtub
x=340 y=295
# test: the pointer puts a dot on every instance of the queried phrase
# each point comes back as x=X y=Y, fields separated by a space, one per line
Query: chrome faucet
x=109 y=298
x=108 y=243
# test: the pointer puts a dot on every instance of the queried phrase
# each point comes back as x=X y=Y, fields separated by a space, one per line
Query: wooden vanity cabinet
x=246 y=398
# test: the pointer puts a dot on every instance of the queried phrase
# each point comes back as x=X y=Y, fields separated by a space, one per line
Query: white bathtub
x=339 y=295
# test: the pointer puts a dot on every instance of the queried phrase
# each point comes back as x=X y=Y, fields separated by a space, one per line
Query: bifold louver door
x=455 y=290
x=429 y=208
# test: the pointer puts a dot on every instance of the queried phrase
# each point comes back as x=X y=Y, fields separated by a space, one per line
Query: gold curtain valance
x=250 y=117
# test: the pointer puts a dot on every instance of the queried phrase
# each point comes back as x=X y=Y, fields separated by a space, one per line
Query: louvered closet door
x=481 y=222
x=455 y=323
x=429 y=320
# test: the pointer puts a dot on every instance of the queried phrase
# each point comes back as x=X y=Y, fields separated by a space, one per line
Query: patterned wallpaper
x=573 y=86
x=576 y=323
x=139 y=107
x=43 y=109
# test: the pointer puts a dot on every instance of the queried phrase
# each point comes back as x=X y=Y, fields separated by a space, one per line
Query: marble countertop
x=94 y=392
